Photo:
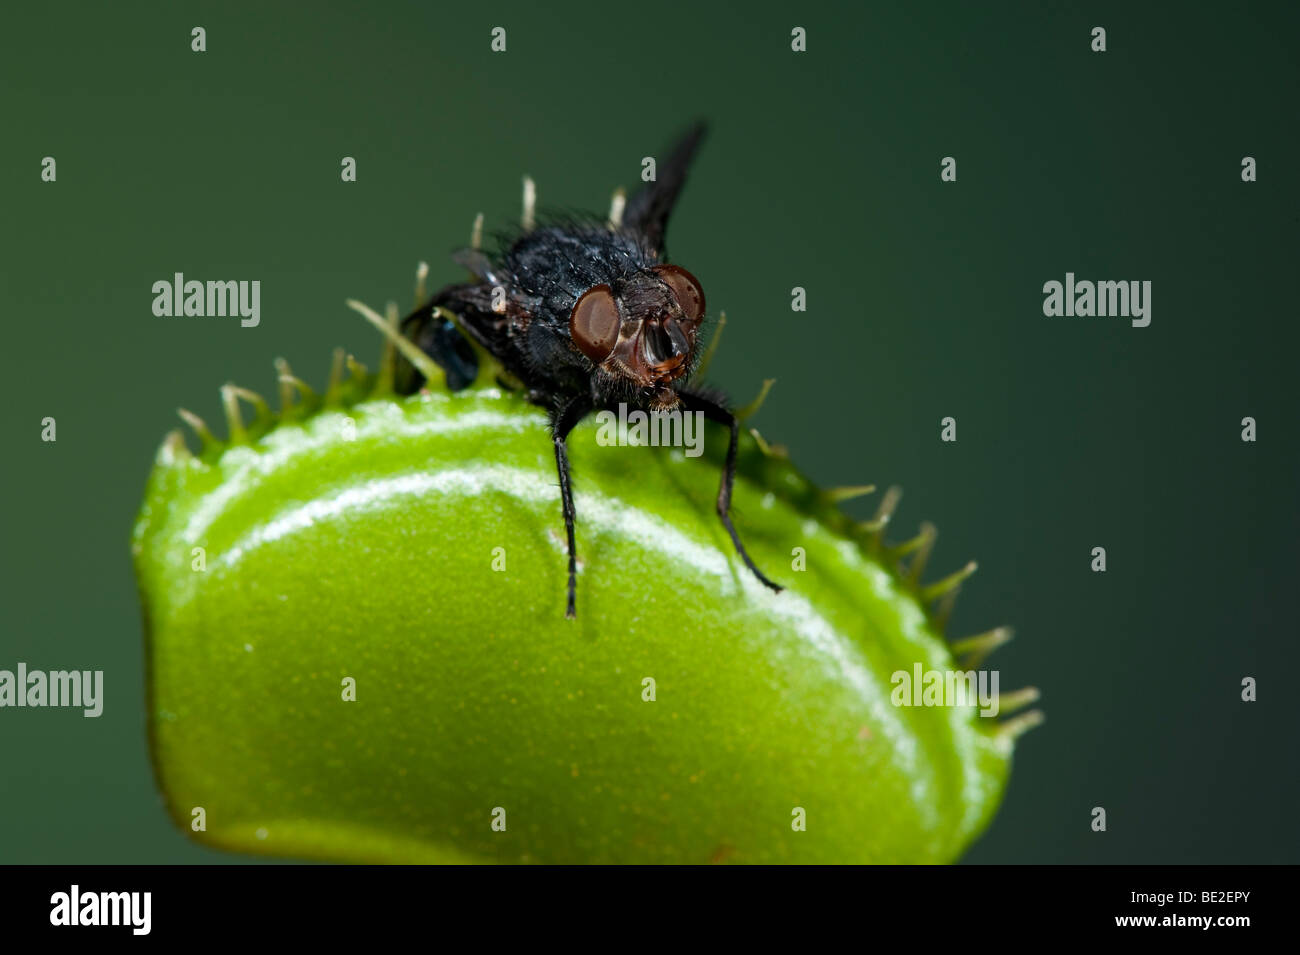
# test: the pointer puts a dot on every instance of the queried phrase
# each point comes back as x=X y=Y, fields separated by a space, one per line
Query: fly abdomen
x=439 y=338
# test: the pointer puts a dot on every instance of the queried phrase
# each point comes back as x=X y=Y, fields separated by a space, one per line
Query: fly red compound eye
x=686 y=287
x=594 y=323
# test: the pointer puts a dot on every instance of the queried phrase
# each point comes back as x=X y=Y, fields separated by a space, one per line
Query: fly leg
x=715 y=411
x=564 y=417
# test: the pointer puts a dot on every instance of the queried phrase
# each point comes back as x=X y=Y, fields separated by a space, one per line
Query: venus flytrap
x=406 y=551
x=374 y=663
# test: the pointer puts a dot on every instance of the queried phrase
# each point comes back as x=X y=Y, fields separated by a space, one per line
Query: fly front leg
x=715 y=411
x=564 y=417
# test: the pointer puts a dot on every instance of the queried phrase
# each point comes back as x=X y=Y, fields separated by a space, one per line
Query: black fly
x=585 y=314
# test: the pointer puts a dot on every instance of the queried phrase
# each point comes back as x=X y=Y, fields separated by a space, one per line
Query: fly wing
x=478 y=264
x=648 y=209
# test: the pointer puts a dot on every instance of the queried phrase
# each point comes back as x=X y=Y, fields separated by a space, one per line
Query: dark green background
x=822 y=170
